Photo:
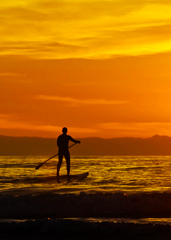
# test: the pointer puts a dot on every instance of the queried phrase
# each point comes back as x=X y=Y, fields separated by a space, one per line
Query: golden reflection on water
x=126 y=174
x=163 y=221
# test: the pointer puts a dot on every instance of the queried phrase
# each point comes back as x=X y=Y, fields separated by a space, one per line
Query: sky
x=99 y=68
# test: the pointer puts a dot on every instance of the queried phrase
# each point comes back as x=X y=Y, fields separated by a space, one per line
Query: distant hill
x=27 y=146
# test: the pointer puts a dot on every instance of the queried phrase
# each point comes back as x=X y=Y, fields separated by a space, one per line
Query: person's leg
x=60 y=157
x=67 y=157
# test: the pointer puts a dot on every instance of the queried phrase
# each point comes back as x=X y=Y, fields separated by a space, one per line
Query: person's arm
x=74 y=140
x=58 y=142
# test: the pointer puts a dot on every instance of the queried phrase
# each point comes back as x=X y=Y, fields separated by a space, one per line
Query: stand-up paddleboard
x=74 y=177
x=53 y=179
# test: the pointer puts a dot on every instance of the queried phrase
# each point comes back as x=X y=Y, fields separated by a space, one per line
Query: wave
x=85 y=205
x=141 y=168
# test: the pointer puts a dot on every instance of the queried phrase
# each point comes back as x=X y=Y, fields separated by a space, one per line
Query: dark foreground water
x=122 y=198
x=76 y=229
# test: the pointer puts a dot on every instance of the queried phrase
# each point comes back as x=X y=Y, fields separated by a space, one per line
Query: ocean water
x=107 y=174
x=129 y=189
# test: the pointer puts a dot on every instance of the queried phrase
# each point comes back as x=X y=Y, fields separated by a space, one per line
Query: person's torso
x=63 y=141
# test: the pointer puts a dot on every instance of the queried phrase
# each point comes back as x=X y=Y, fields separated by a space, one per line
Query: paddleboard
x=76 y=176
x=53 y=179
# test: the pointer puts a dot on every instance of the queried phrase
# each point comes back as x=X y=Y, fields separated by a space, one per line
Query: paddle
x=38 y=166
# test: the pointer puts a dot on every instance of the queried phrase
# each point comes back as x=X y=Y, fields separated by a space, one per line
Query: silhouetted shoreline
x=75 y=229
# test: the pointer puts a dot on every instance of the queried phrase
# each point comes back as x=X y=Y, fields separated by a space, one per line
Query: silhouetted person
x=62 y=143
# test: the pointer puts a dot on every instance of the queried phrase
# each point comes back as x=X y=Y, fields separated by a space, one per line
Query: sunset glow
x=100 y=68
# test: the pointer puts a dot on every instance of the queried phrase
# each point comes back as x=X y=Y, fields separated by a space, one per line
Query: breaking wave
x=84 y=205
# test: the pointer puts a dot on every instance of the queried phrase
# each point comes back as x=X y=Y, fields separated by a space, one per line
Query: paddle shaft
x=38 y=166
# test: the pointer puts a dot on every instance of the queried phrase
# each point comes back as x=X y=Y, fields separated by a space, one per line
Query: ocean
x=120 y=192
x=107 y=174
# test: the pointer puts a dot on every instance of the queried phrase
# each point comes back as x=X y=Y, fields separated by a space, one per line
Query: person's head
x=64 y=130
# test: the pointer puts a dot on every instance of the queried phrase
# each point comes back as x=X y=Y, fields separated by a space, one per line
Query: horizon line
x=156 y=135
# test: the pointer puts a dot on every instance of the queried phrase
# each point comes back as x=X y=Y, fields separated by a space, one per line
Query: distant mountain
x=18 y=146
x=27 y=146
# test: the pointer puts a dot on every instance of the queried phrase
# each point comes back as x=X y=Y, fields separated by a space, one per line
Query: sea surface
x=107 y=174
x=127 y=191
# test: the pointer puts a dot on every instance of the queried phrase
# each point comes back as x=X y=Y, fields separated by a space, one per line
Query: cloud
x=162 y=2
x=137 y=128
x=82 y=101
x=7 y=123
x=10 y=74
x=83 y=29
x=22 y=13
x=86 y=9
x=113 y=129
x=39 y=49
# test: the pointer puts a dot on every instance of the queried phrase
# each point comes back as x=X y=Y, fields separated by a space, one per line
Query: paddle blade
x=38 y=166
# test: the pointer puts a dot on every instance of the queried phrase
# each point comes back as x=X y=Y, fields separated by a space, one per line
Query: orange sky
x=101 y=68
